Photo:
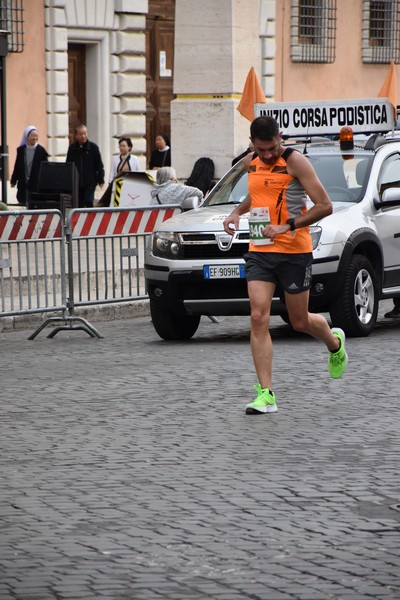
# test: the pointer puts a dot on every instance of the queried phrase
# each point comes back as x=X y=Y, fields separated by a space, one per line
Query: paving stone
x=129 y=469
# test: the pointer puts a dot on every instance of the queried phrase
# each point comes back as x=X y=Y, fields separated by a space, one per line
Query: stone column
x=56 y=80
x=216 y=44
x=129 y=76
x=268 y=46
x=114 y=35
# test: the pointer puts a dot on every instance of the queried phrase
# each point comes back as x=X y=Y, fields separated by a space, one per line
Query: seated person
x=167 y=190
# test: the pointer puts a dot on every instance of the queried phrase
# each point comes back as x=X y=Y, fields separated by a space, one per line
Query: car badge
x=224 y=241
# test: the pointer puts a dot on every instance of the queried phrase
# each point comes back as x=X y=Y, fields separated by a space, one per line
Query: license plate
x=223 y=272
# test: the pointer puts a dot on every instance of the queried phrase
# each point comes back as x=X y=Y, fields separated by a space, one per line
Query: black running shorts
x=291 y=271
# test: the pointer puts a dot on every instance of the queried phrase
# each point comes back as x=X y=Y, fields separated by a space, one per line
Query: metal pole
x=3 y=125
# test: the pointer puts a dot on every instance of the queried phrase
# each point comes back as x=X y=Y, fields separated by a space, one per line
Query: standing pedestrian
x=161 y=155
x=394 y=313
x=124 y=161
x=87 y=158
x=30 y=154
x=280 y=251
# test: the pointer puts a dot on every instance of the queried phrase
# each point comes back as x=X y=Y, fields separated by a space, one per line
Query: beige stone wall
x=37 y=78
x=216 y=44
x=268 y=46
x=26 y=82
x=347 y=77
x=114 y=35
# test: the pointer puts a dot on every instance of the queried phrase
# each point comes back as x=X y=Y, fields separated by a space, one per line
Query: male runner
x=280 y=252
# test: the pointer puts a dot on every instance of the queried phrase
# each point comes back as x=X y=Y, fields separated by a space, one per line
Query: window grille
x=11 y=20
x=313 y=31
x=381 y=31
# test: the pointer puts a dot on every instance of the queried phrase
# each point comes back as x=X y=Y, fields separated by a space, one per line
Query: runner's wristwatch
x=291 y=224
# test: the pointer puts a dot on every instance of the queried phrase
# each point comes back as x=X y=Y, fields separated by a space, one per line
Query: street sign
x=329 y=116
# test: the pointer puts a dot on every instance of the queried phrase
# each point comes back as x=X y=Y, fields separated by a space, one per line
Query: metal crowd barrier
x=32 y=262
x=96 y=258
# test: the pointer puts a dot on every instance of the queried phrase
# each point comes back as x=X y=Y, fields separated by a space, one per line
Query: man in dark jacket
x=87 y=158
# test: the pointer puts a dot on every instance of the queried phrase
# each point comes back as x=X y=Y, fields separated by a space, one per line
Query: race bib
x=258 y=219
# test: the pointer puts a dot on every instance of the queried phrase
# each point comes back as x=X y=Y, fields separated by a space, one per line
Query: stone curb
x=98 y=313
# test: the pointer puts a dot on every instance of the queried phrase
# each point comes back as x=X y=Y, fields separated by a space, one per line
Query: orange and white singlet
x=271 y=187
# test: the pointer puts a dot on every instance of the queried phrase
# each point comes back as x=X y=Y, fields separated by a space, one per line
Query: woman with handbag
x=125 y=161
x=122 y=163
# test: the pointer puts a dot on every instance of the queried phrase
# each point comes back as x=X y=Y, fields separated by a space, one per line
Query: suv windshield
x=231 y=189
x=344 y=177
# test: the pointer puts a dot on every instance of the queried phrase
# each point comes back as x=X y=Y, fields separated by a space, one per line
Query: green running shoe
x=264 y=403
x=338 y=360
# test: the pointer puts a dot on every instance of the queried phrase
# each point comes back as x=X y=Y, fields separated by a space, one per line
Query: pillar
x=216 y=44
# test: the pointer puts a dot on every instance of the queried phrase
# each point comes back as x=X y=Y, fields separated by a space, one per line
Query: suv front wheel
x=171 y=326
x=356 y=308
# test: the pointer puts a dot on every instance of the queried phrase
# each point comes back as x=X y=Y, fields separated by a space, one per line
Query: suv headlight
x=315 y=235
x=166 y=244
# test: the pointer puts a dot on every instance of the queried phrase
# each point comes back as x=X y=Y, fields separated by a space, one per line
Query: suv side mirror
x=190 y=203
x=390 y=197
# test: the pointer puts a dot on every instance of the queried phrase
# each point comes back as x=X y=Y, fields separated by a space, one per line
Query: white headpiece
x=27 y=131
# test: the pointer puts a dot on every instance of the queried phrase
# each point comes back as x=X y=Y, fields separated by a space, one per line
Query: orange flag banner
x=389 y=88
x=252 y=93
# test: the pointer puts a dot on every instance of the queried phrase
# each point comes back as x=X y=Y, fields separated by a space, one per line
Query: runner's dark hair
x=264 y=128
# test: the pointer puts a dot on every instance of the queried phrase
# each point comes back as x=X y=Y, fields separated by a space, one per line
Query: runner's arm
x=300 y=168
x=234 y=217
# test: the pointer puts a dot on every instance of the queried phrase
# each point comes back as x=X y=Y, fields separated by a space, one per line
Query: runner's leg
x=311 y=323
x=260 y=295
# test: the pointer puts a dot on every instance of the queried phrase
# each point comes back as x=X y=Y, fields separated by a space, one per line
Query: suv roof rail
x=376 y=140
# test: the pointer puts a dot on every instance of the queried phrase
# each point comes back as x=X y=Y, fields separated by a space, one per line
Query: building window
x=380 y=31
x=12 y=21
x=313 y=31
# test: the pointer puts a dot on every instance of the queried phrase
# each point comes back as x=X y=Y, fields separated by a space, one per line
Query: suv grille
x=211 y=245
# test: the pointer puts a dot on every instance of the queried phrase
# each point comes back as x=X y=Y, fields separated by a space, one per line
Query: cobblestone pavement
x=129 y=470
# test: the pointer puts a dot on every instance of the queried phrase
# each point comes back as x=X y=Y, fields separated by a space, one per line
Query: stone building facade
x=113 y=34
x=215 y=44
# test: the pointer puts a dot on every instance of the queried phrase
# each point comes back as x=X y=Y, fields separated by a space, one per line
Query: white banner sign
x=329 y=116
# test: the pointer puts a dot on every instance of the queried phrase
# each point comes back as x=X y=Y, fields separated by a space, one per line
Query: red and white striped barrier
x=120 y=222
x=25 y=226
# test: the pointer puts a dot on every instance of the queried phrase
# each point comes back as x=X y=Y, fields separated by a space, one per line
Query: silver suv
x=194 y=268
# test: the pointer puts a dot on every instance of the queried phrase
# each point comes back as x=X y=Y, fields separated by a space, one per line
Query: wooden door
x=160 y=24
x=76 y=87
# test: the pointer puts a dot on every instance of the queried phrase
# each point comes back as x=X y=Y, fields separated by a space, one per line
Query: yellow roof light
x=346 y=138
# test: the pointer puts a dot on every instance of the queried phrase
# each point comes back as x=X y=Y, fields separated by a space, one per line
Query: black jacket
x=19 y=177
x=160 y=159
x=88 y=161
